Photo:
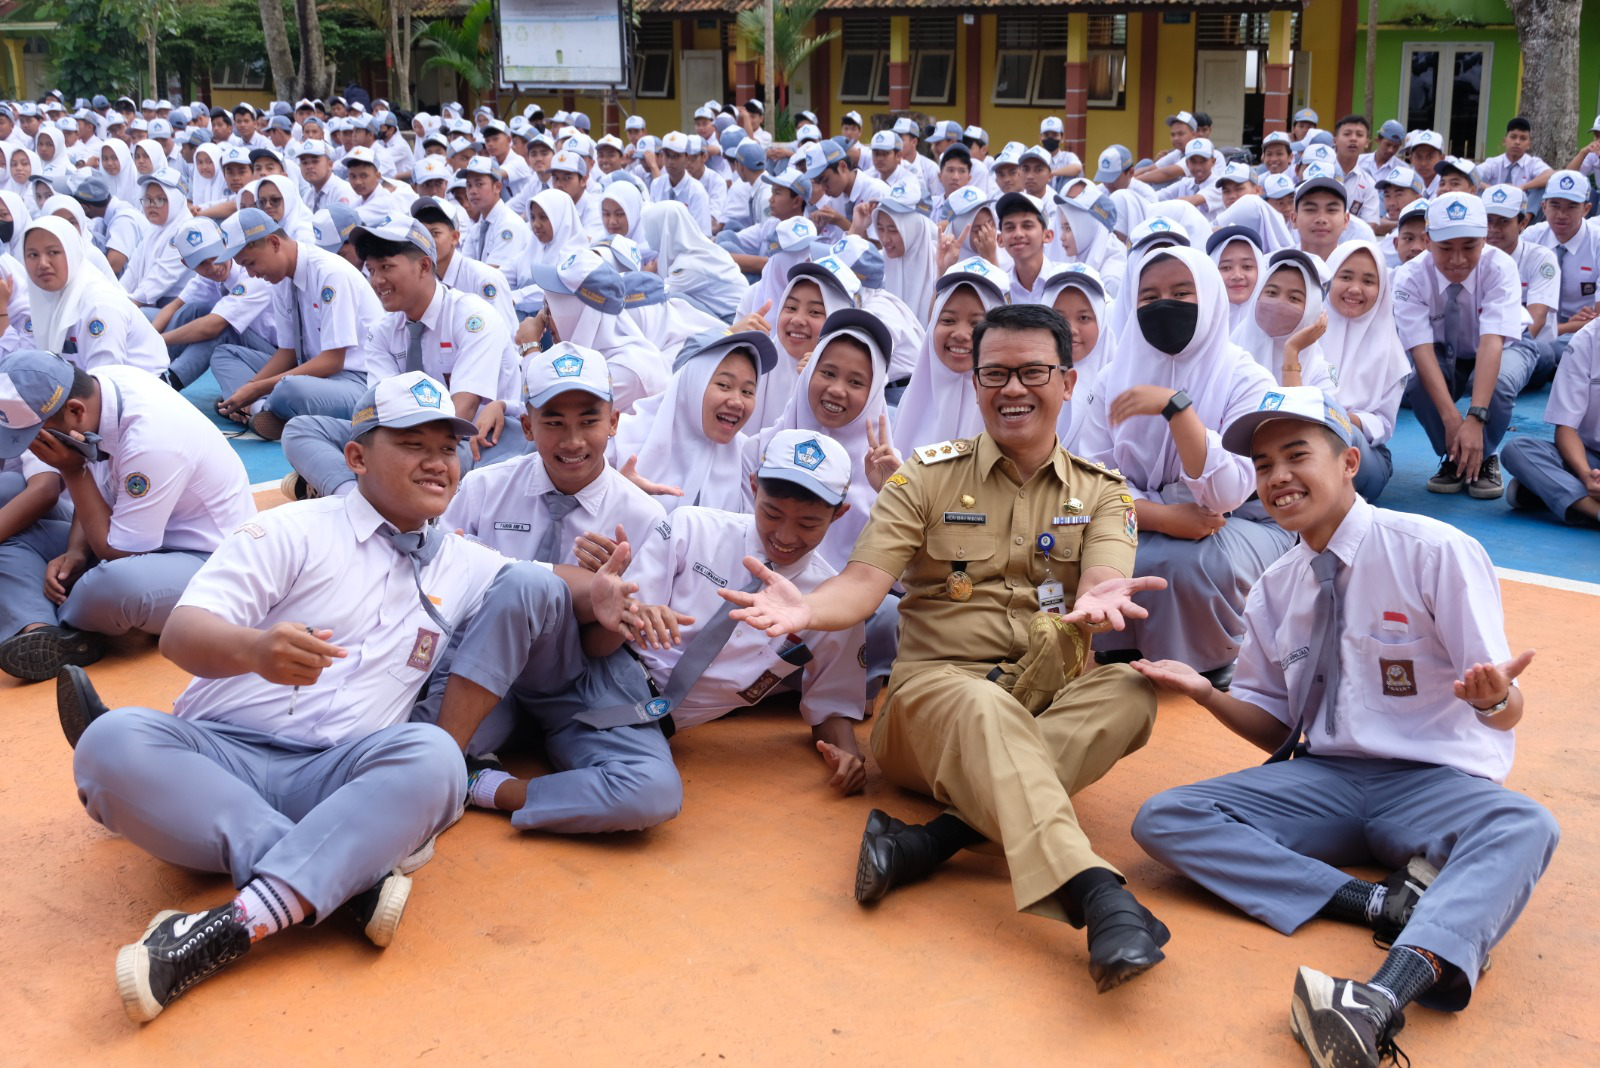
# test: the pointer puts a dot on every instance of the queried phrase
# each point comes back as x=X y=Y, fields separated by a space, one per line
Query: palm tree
x=790 y=45
x=461 y=47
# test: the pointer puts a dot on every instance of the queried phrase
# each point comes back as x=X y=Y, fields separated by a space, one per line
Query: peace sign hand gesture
x=881 y=460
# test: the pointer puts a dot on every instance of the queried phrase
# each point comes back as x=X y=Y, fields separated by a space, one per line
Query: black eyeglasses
x=1029 y=374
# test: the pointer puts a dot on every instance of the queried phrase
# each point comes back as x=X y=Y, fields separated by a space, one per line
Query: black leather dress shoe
x=1125 y=940
x=77 y=704
x=40 y=654
x=892 y=854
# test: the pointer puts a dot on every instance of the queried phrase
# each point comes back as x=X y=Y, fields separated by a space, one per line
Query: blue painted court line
x=263 y=460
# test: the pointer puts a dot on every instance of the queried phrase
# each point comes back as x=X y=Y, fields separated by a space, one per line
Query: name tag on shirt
x=973 y=518
x=525 y=528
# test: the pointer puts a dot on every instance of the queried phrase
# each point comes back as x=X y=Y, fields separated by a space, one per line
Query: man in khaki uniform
x=985 y=533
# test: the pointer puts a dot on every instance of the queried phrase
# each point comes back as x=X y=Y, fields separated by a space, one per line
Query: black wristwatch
x=1480 y=414
x=1180 y=402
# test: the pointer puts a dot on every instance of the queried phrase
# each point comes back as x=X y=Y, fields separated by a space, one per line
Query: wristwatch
x=1485 y=713
x=1180 y=402
x=1480 y=414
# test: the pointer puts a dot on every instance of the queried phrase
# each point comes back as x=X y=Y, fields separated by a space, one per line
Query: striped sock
x=267 y=906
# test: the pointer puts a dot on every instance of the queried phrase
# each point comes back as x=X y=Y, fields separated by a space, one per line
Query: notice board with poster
x=564 y=44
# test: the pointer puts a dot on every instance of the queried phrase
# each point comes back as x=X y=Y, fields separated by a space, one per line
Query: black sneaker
x=378 y=909
x=1405 y=889
x=39 y=654
x=1343 y=1023
x=178 y=950
x=77 y=704
x=1447 y=479
x=1488 y=485
x=1521 y=498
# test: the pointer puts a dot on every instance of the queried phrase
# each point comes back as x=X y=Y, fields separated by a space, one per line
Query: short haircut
x=1018 y=317
x=1353 y=120
x=1519 y=123
x=83 y=384
x=1018 y=207
x=785 y=490
x=370 y=247
x=245 y=109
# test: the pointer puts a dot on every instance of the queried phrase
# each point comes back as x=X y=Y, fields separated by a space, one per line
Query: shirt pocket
x=1391 y=679
x=948 y=548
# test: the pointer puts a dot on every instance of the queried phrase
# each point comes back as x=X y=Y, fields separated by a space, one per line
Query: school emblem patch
x=1271 y=402
x=238 y=290
x=1399 y=678
x=490 y=291
x=194 y=237
x=568 y=366
x=96 y=327
x=505 y=235
x=1159 y=225
x=1130 y=524
x=808 y=454
x=136 y=484
x=1567 y=181
x=426 y=395
x=474 y=324
x=1498 y=196
x=327 y=294
x=1547 y=271
x=1456 y=211
x=657 y=707
x=27 y=325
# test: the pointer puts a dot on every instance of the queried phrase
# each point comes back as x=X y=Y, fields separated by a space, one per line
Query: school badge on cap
x=1456 y=212
x=426 y=395
x=808 y=454
x=1566 y=181
x=194 y=237
x=568 y=366
x=1271 y=402
x=1498 y=196
x=1159 y=225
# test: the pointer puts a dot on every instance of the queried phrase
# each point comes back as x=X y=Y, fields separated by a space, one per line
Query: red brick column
x=1077 y=110
x=610 y=115
x=744 y=81
x=1276 y=116
x=899 y=87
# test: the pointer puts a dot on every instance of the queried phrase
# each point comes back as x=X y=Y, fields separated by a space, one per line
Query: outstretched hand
x=1486 y=685
x=630 y=471
x=1174 y=676
x=1109 y=604
x=610 y=596
x=777 y=608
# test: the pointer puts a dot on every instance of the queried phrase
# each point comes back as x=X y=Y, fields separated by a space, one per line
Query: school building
x=1112 y=71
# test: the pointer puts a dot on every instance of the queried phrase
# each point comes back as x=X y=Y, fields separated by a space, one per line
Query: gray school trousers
x=1270 y=840
x=1537 y=464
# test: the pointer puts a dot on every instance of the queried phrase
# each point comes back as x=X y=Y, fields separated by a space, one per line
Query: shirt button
x=1023 y=494
x=1018 y=540
x=961 y=552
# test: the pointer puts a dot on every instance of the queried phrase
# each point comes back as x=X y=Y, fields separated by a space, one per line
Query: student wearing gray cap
x=220 y=304
x=118 y=228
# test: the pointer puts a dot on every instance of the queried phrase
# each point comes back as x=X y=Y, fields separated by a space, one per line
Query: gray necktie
x=697 y=656
x=420 y=547
x=316 y=201
x=559 y=505
x=414 y=347
x=1320 y=679
x=483 y=236
x=1455 y=332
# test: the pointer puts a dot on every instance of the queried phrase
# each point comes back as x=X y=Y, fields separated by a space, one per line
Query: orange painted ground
x=730 y=934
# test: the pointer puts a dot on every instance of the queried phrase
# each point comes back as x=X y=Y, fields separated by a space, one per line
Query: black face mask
x=1169 y=325
x=1051 y=144
x=6 y=229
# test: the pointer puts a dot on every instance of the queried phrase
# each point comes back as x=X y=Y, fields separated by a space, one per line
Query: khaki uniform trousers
x=947 y=731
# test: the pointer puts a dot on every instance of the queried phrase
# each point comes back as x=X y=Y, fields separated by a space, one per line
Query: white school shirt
x=705 y=554
x=499 y=239
x=328 y=564
x=1366 y=203
x=866 y=189
x=746 y=204
x=468 y=275
x=256 y=141
x=716 y=187
x=334 y=191
x=1493 y=291
x=1580 y=267
x=111 y=333
x=1420 y=604
x=1188 y=187
x=334 y=304
x=1021 y=294
x=1541 y=281
x=503 y=505
x=1367 y=162
x=1497 y=170
x=240 y=299
x=1575 y=393
x=688 y=192
x=121 y=229
x=465 y=344
x=172 y=480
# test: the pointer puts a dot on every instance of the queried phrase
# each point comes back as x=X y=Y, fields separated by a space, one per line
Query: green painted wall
x=1488 y=21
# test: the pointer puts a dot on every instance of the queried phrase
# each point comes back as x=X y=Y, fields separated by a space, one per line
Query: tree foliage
x=97 y=47
x=791 y=45
x=462 y=47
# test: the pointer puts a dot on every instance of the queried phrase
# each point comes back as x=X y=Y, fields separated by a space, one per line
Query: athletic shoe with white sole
x=378 y=909
x=1405 y=888
x=177 y=951
x=1343 y=1023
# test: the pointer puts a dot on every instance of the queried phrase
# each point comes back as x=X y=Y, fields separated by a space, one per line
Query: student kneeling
x=1407 y=706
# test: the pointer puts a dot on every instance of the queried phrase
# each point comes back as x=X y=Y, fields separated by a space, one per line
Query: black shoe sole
x=871 y=884
x=75 y=697
x=39 y=655
x=1109 y=976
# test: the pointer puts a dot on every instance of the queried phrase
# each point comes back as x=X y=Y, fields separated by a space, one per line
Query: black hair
x=1353 y=120
x=1519 y=123
x=785 y=490
x=369 y=246
x=1018 y=317
x=84 y=384
x=958 y=153
x=245 y=109
x=1017 y=207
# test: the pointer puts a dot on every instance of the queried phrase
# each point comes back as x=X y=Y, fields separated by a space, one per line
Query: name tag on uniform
x=1071 y=520
x=525 y=528
x=1052 y=597
x=974 y=518
x=702 y=569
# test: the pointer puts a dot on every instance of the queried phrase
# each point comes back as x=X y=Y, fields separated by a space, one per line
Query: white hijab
x=671 y=323
x=774 y=280
x=638 y=369
x=1098 y=247
x=1221 y=379
x=157 y=155
x=1242 y=312
x=59 y=163
x=667 y=435
x=155 y=269
x=1268 y=350
x=1254 y=212
x=911 y=275
x=626 y=196
x=840 y=540
x=940 y=404
x=1186 y=215
x=125 y=186
x=55 y=315
x=566 y=235
x=1365 y=355
x=91 y=255
x=296 y=219
x=20 y=217
x=690 y=263
x=776 y=386
x=34 y=167
x=207 y=191
x=1089 y=365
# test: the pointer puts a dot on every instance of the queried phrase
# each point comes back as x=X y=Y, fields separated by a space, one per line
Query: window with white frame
x=652 y=60
x=864 y=63
x=1031 y=60
x=933 y=59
